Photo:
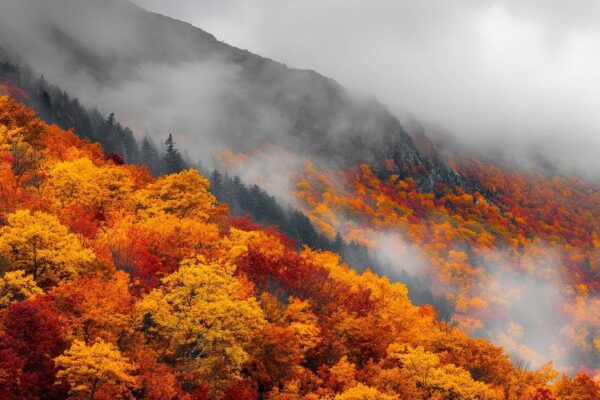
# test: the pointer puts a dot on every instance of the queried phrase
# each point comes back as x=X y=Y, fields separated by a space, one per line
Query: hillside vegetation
x=516 y=257
x=115 y=284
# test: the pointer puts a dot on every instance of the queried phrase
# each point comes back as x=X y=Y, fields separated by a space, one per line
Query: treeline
x=55 y=106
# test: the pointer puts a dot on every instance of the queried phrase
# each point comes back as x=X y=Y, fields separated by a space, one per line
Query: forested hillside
x=116 y=284
x=332 y=253
x=514 y=255
x=55 y=106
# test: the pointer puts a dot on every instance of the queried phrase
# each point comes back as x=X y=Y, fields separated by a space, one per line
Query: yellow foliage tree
x=202 y=321
x=38 y=244
x=238 y=242
x=8 y=186
x=99 y=369
x=80 y=182
x=184 y=194
x=25 y=158
x=436 y=380
x=17 y=286
x=304 y=324
x=362 y=392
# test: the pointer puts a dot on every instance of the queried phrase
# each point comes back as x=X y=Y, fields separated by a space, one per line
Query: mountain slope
x=513 y=252
x=145 y=288
x=55 y=106
x=248 y=100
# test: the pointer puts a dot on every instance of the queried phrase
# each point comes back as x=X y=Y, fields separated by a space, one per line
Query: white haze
x=529 y=308
x=126 y=62
x=392 y=249
x=530 y=320
x=520 y=75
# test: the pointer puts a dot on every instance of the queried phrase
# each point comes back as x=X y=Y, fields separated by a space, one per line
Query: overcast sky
x=491 y=71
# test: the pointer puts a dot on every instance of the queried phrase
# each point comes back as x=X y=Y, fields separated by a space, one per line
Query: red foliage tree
x=31 y=340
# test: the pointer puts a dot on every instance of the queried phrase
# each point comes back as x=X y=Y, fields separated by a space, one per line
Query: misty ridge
x=160 y=75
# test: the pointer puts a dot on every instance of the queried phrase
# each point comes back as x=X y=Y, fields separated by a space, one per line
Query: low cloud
x=391 y=249
x=519 y=76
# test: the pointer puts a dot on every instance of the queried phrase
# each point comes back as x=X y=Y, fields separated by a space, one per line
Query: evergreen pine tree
x=338 y=243
x=173 y=160
x=150 y=156
x=216 y=185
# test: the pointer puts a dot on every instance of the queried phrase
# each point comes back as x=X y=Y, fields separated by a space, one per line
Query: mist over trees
x=128 y=286
x=317 y=194
x=55 y=106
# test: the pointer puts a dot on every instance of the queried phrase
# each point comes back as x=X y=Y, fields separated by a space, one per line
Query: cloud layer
x=518 y=75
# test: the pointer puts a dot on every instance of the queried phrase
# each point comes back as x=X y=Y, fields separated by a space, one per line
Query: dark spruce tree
x=338 y=244
x=173 y=161
x=151 y=157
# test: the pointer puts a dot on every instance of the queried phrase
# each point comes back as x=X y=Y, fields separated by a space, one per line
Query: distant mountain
x=114 y=49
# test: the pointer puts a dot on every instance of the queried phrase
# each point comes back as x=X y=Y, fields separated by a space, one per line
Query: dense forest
x=516 y=236
x=184 y=219
x=116 y=284
x=55 y=106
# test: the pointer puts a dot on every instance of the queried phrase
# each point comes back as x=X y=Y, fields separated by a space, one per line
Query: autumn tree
x=153 y=247
x=30 y=339
x=39 y=245
x=94 y=306
x=436 y=379
x=201 y=322
x=362 y=392
x=97 y=371
x=184 y=194
x=155 y=380
x=8 y=185
x=581 y=387
x=341 y=376
x=81 y=183
x=17 y=286
x=24 y=155
x=242 y=390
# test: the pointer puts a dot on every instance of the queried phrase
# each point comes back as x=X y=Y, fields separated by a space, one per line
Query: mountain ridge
x=299 y=109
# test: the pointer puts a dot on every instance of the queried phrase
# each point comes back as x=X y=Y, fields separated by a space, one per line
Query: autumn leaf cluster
x=116 y=285
x=478 y=244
